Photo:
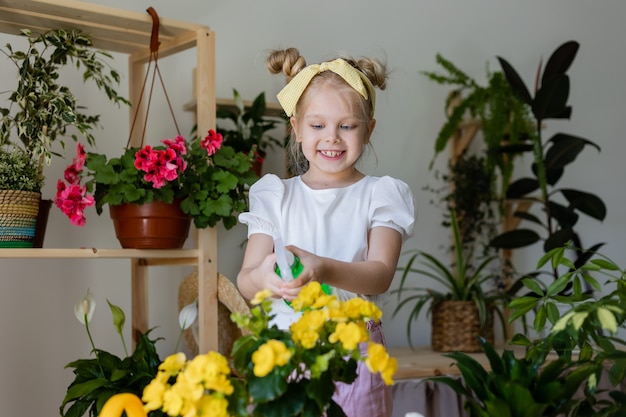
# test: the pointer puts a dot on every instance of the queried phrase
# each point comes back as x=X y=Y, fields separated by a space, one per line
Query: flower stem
x=93 y=345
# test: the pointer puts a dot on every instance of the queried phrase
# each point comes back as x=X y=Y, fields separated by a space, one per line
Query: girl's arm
x=257 y=270
x=371 y=277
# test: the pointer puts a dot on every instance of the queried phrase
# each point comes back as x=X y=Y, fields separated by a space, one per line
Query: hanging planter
x=155 y=225
x=18 y=218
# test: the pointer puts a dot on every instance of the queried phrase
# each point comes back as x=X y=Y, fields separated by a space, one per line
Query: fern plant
x=504 y=118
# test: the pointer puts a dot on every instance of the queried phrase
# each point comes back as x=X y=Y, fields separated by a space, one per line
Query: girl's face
x=332 y=134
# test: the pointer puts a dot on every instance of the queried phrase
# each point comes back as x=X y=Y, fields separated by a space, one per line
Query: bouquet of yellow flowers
x=273 y=372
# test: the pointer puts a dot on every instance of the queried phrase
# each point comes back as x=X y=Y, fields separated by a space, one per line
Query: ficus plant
x=41 y=110
x=555 y=211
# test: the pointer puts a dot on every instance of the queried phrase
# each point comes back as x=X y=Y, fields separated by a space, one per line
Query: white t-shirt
x=332 y=223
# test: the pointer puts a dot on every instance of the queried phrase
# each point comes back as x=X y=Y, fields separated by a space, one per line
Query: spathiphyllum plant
x=105 y=374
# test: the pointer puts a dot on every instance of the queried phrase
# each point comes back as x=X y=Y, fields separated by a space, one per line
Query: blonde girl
x=346 y=227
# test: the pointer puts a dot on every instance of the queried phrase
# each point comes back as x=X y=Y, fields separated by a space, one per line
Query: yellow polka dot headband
x=290 y=94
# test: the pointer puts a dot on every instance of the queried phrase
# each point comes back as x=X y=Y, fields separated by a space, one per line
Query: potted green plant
x=203 y=179
x=467 y=289
x=271 y=372
x=560 y=374
x=558 y=208
x=20 y=185
x=246 y=128
x=40 y=110
x=99 y=378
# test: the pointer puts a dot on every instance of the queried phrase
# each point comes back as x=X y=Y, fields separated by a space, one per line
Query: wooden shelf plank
x=153 y=254
x=111 y=29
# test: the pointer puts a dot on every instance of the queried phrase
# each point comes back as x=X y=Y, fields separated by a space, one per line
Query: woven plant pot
x=18 y=218
x=456 y=327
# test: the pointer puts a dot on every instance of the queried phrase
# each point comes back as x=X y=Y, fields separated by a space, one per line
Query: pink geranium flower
x=73 y=200
x=212 y=142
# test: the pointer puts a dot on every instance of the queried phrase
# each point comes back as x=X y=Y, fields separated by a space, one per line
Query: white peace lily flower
x=188 y=315
x=85 y=307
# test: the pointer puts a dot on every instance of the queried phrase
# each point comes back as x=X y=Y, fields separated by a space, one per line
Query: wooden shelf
x=130 y=32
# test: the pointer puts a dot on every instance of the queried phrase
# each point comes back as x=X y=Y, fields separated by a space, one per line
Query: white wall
x=39 y=333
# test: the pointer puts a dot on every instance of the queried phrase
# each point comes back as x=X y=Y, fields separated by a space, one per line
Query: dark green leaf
x=551 y=98
x=515 y=239
x=515 y=81
x=587 y=203
x=522 y=187
x=560 y=60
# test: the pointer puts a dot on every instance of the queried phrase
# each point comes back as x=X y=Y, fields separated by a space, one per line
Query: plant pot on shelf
x=155 y=225
x=18 y=218
x=42 y=222
x=456 y=327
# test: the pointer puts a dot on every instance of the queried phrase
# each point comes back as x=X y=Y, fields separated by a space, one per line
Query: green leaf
x=118 y=317
x=84 y=388
x=515 y=239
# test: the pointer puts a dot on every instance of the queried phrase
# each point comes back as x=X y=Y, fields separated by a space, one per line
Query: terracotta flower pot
x=153 y=225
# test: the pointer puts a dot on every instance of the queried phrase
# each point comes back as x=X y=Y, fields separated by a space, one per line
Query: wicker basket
x=18 y=218
x=456 y=327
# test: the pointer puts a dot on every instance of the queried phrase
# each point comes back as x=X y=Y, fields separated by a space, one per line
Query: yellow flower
x=189 y=391
x=153 y=394
x=349 y=334
x=305 y=337
x=172 y=402
x=270 y=354
x=213 y=406
x=324 y=300
x=378 y=360
x=306 y=330
x=260 y=296
x=307 y=296
x=173 y=363
x=357 y=308
x=206 y=367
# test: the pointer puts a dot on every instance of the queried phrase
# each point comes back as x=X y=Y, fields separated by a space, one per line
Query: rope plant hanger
x=153 y=64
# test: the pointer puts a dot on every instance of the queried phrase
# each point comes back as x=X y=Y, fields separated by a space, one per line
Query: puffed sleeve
x=393 y=206
x=266 y=196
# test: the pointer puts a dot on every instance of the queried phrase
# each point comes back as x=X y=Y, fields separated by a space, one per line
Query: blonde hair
x=289 y=62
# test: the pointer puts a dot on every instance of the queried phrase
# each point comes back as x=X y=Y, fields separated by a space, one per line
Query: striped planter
x=18 y=218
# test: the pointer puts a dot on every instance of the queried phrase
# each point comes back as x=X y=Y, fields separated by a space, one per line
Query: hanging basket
x=455 y=326
x=153 y=225
x=18 y=218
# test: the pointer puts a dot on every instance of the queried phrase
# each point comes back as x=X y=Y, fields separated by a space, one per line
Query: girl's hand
x=313 y=271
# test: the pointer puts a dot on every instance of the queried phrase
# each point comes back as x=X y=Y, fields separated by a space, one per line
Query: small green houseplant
x=18 y=171
x=460 y=281
x=247 y=129
x=41 y=110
